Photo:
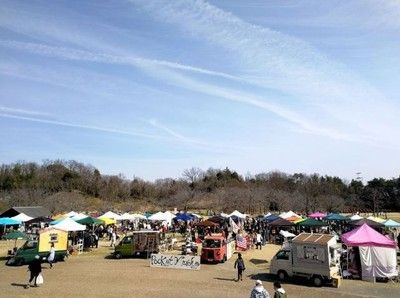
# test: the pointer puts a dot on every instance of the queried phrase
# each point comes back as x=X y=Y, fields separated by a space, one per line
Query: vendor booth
x=377 y=253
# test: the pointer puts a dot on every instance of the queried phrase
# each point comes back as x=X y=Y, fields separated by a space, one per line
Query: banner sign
x=175 y=261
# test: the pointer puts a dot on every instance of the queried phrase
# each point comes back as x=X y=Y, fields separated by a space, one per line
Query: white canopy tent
x=138 y=216
x=288 y=214
x=163 y=216
x=22 y=217
x=110 y=214
x=79 y=216
x=69 y=225
x=356 y=217
x=127 y=216
x=71 y=214
x=238 y=214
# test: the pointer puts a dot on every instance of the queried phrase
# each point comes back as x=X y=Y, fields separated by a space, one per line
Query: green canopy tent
x=309 y=222
x=15 y=235
x=90 y=221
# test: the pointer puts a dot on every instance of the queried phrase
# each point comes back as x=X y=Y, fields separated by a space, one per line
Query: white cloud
x=289 y=65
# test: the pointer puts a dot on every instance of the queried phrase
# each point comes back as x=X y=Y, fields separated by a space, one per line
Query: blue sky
x=151 y=88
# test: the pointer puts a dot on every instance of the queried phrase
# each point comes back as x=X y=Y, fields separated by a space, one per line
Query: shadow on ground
x=18 y=285
x=258 y=261
x=225 y=279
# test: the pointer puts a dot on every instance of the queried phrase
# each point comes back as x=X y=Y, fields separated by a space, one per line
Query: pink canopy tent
x=317 y=215
x=377 y=253
x=367 y=236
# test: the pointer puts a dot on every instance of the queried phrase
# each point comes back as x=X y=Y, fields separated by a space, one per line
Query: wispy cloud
x=287 y=64
x=82 y=126
x=22 y=111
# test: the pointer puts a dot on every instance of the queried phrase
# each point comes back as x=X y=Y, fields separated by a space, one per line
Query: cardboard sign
x=175 y=261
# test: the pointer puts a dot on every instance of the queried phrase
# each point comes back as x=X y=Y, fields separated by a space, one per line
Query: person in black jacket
x=35 y=267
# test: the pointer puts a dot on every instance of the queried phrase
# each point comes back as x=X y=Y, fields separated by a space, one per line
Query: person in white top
x=258 y=240
x=52 y=255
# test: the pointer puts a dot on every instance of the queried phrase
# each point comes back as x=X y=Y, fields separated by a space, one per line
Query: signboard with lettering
x=175 y=261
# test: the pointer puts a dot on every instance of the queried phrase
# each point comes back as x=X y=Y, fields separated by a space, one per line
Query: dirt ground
x=94 y=274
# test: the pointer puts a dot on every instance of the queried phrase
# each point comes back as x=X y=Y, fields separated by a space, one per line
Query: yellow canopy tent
x=108 y=221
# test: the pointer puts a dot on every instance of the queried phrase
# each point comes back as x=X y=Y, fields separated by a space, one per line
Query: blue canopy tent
x=391 y=223
x=6 y=221
x=271 y=217
x=337 y=217
x=183 y=216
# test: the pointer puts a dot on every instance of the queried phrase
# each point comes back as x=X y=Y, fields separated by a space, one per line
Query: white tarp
x=378 y=262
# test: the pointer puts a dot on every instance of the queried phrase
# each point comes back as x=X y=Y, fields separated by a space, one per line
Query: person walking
x=279 y=291
x=259 y=291
x=35 y=267
x=259 y=240
x=239 y=264
x=52 y=255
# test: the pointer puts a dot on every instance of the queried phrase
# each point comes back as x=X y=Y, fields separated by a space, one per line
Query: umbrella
x=15 y=235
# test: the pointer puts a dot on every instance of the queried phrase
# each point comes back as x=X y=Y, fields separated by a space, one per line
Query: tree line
x=71 y=185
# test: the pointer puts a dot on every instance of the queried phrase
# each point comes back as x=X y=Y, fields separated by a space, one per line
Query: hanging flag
x=241 y=242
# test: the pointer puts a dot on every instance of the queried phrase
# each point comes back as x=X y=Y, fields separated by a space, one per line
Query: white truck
x=314 y=256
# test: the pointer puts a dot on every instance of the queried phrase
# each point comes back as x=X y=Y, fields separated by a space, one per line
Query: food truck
x=41 y=246
x=216 y=248
x=314 y=256
x=138 y=243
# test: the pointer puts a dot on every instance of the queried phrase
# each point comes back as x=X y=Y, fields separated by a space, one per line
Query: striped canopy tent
x=293 y=218
x=310 y=222
x=299 y=221
x=288 y=214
